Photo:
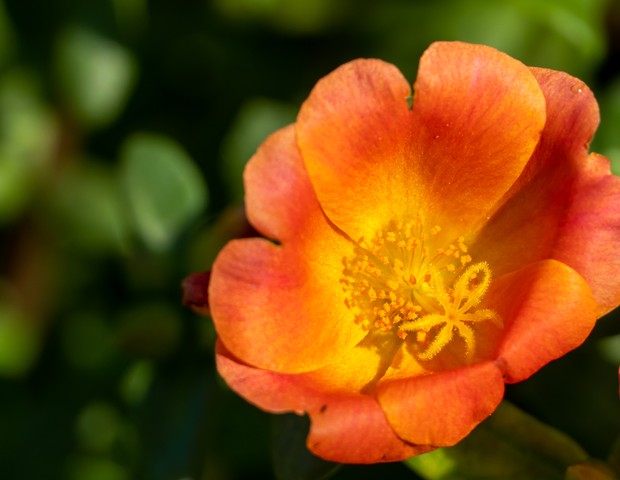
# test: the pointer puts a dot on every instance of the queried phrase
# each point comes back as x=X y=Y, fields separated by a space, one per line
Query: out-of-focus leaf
x=7 y=37
x=614 y=457
x=164 y=188
x=291 y=458
x=136 y=382
x=255 y=120
x=609 y=348
x=131 y=14
x=291 y=16
x=20 y=342
x=95 y=468
x=558 y=34
x=606 y=140
x=98 y=427
x=88 y=209
x=87 y=341
x=510 y=444
x=590 y=471
x=95 y=75
x=27 y=136
x=151 y=330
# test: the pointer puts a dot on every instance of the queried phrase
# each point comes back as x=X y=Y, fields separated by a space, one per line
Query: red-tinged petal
x=482 y=114
x=281 y=307
x=548 y=311
x=524 y=229
x=278 y=193
x=442 y=408
x=354 y=133
x=572 y=116
x=346 y=427
x=353 y=429
x=588 y=236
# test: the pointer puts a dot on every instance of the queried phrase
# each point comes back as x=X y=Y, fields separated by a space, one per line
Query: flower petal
x=589 y=233
x=524 y=229
x=442 y=408
x=548 y=310
x=282 y=307
x=278 y=193
x=347 y=428
x=477 y=116
x=481 y=114
x=353 y=132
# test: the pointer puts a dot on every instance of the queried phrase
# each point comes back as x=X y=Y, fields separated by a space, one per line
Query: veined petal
x=524 y=228
x=346 y=427
x=442 y=408
x=588 y=235
x=354 y=133
x=282 y=307
x=548 y=311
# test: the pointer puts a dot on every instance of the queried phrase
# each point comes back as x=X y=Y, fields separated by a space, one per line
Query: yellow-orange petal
x=477 y=116
x=524 y=228
x=548 y=310
x=588 y=235
x=481 y=114
x=354 y=133
x=442 y=408
x=345 y=427
x=281 y=308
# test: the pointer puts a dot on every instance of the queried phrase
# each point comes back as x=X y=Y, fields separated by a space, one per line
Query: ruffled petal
x=590 y=230
x=524 y=229
x=354 y=132
x=281 y=307
x=346 y=427
x=442 y=408
x=548 y=311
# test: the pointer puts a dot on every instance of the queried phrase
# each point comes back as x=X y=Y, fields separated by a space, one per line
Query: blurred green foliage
x=124 y=128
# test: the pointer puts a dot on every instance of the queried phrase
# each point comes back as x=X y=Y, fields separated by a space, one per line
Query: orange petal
x=278 y=193
x=441 y=409
x=524 y=229
x=547 y=309
x=282 y=307
x=347 y=428
x=481 y=114
x=354 y=133
x=589 y=233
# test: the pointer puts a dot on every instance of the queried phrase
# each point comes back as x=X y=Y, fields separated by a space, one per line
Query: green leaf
x=291 y=459
x=95 y=75
x=164 y=188
x=28 y=133
x=88 y=211
x=510 y=444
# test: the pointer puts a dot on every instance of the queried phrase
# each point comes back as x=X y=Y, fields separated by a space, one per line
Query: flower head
x=418 y=257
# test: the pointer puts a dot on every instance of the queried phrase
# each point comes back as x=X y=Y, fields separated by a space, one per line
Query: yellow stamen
x=394 y=285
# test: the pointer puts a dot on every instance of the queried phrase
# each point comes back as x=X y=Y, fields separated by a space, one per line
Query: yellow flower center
x=400 y=282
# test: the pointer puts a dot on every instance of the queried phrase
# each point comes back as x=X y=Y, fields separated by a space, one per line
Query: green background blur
x=124 y=129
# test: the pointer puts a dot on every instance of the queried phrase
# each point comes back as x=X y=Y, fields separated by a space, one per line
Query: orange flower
x=417 y=257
